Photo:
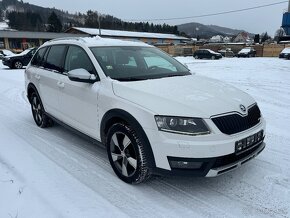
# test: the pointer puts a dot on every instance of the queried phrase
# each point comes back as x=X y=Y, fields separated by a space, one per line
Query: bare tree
x=279 y=33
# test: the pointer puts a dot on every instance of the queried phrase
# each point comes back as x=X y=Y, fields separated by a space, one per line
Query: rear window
x=55 y=58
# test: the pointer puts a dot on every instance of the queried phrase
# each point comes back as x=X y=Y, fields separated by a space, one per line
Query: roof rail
x=67 y=38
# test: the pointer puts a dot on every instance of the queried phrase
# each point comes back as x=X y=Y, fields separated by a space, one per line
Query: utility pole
x=289 y=7
x=99 y=21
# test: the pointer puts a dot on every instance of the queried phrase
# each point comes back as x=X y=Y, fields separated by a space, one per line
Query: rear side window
x=54 y=60
x=38 y=58
x=77 y=58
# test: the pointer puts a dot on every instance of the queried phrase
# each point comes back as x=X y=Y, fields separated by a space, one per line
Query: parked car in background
x=206 y=54
x=5 y=52
x=287 y=56
x=127 y=96
x=285 y=53
x=247 y=53
x=17 y=61
x=227 y=53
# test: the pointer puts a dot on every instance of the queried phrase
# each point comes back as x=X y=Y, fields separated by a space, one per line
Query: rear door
x=79 y=100
x=49 y=85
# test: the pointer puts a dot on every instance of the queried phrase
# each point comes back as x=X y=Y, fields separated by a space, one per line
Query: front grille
x=235 y=123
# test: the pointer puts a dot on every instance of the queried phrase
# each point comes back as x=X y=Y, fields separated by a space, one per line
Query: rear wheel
x=18 y=65
x=126 y=154
x=39 y=116
x=196 y=57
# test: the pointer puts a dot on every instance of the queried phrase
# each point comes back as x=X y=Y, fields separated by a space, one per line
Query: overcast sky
x=256 y=21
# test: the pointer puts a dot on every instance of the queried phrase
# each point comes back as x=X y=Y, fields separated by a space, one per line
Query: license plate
x=249 y=142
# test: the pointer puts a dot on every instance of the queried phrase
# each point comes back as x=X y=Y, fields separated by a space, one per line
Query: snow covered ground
x=54 y=173
x=4 y=25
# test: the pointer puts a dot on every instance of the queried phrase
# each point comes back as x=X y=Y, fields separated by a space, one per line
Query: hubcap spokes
x=18 y=65
x=123 y=154
x=37 y=111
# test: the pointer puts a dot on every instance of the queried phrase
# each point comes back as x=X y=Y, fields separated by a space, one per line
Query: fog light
x=185 y=165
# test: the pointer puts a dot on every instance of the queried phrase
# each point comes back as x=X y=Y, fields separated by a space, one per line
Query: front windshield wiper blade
x=130 y=79
x=174 y=75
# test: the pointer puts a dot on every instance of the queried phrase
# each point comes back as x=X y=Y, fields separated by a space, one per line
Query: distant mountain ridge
x=207 y=31
x=111 y=22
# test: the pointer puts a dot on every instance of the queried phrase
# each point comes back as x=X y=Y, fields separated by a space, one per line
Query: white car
x=151 y=113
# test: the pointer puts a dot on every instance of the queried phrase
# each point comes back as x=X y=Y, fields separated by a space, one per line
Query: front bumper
x=7 y=62
x=216 y=153
x=212 y=167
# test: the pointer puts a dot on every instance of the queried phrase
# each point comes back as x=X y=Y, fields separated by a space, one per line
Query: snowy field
x=54 y=173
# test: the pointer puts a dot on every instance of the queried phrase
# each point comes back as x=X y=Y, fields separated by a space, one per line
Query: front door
x=78 y=100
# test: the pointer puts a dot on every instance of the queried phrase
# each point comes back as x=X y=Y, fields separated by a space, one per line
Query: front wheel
x=196 y=57
x=213 y=57
x=126 y=154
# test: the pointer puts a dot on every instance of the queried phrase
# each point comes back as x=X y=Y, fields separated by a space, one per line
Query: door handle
x=37 y=77
x=60 y=84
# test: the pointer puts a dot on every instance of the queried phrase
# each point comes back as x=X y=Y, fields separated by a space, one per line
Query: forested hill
x=29 y=17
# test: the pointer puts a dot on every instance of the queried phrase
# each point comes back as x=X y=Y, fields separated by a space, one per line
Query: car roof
x=95 y=42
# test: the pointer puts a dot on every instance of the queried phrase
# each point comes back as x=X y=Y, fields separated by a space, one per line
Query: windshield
x=245 y=50
x=25 y=51
x=129 y=63
x=7 y=52
x=286 y=50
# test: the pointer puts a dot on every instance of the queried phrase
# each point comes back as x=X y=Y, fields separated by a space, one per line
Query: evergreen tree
x=54 y=23
x=257 y=38
x=265 y=37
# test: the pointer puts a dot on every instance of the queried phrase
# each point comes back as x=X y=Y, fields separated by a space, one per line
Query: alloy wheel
x=37 y=110
x=123 y=154
x=18 y=65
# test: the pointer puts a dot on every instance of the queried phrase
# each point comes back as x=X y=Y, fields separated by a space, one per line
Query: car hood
x=14 y=56
x=215 y=53
x=190 y=96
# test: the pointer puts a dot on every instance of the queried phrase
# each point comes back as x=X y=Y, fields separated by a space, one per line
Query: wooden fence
x=272 y=50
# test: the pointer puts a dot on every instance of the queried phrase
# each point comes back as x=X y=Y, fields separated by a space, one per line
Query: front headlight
x=182 y=125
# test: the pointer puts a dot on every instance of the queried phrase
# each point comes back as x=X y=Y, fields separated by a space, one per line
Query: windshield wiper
x=174 y=75
x=130 y=79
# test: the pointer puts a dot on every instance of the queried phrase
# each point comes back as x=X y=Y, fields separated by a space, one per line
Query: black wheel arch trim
x=32 y=86
x=127 y=117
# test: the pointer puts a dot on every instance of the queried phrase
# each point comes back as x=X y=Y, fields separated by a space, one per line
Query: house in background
x=217 y=39
x=20 y=40
x=150 y=38
x=227 y=39
x=242 y=37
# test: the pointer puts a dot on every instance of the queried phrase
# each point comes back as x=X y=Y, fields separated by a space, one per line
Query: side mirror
x=81 y=75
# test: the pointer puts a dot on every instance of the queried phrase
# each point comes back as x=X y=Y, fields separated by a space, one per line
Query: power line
x=213 y=14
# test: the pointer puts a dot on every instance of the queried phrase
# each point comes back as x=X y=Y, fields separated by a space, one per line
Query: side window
x=38 y=58
x=54 y=60
x=77 y=58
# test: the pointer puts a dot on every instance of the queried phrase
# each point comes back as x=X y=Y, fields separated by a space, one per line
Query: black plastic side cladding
x=118 y=114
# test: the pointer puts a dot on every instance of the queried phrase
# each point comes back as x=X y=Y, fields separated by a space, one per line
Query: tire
x=126 y=154
x=213 y=57
x=38 y=112
x=17 y=65
x=196 y=57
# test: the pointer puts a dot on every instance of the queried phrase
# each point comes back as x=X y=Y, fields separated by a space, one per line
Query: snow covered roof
x=121 y=33
x=36 y=35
